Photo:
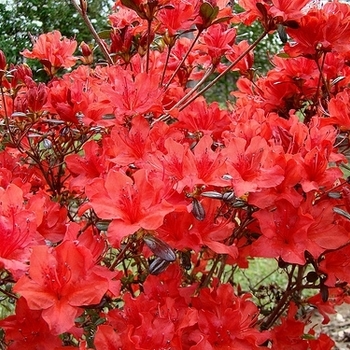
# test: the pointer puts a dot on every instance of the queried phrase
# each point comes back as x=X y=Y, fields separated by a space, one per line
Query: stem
x=165 y=65
x=98 y=40
x=214 y=81
x=207 y=279
x=149 y=23
x=320 y=67
x=183 y=59
x=195 y=88
x=282 y=305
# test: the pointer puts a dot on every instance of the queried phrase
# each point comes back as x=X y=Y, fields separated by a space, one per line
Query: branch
x=83 y=13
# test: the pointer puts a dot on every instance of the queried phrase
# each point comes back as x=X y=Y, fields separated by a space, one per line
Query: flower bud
x=87 y=52
x=2 y=61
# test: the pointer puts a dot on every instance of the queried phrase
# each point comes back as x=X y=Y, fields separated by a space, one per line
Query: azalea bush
x=128 y=202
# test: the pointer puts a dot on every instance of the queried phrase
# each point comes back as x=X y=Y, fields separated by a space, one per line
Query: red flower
x=130 y=146
x=51 y=217
x=217 y=41
x=336 y=266
x=87 y=167
x=251 y=165
x=317 y=172
x=179 y=17
x=26 y=330
x=204 y=118
x=281 y=10
x=225 y=321
x=61 y=280
x=289 y=333
x=53 y=51
x=321 y=30
x=132 y=95
x=153 y=320
x=284 y=233
x=131 y=204
x=17 y=231
x=339 y=110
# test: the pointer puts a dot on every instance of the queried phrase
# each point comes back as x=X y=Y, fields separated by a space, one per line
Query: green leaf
x=104 y=34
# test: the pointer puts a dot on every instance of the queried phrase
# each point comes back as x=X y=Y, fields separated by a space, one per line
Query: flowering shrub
x=127 y=202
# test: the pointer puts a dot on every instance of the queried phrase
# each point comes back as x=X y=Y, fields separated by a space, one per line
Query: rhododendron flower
x=85 y=168
x=284 y=233
x=251 y=165
x=132 y=95
x=339 y=110
x=17 y=231
x=280 y=10
x=179 y=17
x=131 y=203
x=26 y=330
x=290 y=334
x=336 y=266
x=330 y=28
x=59 y=282
x=225 y=321
x=53 y=51
x=51 y=217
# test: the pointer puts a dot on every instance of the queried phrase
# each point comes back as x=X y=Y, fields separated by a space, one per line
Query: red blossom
x=17 y=231
x=53 y=51
x=284 y=233
x=132 y=95
x=59 y=282
x=226 y=321
x=131 y=203
x=251 y=165
x=332 y=29
x=291 y=331
x=27 y=330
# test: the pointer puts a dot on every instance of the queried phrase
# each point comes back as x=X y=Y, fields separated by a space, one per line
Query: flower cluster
x=128 y=202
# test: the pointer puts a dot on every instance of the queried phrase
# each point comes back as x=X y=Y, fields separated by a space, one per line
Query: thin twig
x=214 y=81
x=98 y=40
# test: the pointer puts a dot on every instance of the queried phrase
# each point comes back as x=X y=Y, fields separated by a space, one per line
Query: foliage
x=22 y=19
x=129 y=203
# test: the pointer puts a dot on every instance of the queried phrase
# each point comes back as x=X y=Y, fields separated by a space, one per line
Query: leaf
x=104 y=34
x=262 y=9
x=158 y=265
x=342 y=212
x=160 y=248
x=282 y=33
x=221 y=20
x=198 y=210
x=292 y=24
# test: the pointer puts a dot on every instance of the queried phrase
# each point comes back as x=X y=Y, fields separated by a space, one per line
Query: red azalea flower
x=59 y=281
x=317 y=172
x=17 y=231
x=87 y=167
x=284 y=233
x=51 y=217
x=26 y=330
x=132 y=95
x=153 y=320
x=131 y=203
x=179 y=17
x=225 y=321
x=281 y=10
x=204 y=118
x=251 y=165
x=130 y=146
x=321 y=30
x=53 y=51
x=289 y=335
x=339 y=110
x=336 y=266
